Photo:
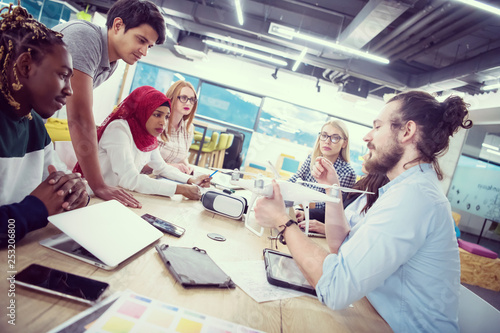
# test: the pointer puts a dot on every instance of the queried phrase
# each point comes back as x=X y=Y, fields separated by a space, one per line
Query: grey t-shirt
x=88 y=45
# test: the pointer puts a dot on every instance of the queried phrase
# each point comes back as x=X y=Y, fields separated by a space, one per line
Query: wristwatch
x=280 y=236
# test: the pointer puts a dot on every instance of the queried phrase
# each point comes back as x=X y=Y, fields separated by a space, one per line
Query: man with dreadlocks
x=133 y=26
x=34 y=83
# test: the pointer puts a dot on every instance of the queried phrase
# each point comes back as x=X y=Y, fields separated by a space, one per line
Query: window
x=291 y=122
x=282 y=121
x=52 y=12
x=357 y=146
x=158 y=77
x=33 y=7
x=301 y=125
x=227 y=105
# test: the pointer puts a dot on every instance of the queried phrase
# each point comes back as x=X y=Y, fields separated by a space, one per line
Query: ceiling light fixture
x=492 y=151
x=246 y=52
x=250 y=45
x=490 y=86
x=239 y=12
x=287 y=32
x=485 y=145
x=480 y=5
x=299 y=59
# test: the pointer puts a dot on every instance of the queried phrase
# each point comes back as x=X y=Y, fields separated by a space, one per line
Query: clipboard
x=193 y=267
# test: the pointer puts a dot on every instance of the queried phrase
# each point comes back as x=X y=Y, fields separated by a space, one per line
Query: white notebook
x=103 y=234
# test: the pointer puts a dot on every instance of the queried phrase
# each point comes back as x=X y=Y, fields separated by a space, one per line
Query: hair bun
x=455 y=114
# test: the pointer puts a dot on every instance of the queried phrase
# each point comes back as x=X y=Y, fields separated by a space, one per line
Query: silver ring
x=69 y=191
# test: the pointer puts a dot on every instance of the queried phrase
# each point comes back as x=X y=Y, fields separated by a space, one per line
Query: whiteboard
x=475 y=188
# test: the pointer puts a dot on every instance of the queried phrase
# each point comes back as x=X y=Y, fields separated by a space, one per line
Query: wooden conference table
x=145 y=274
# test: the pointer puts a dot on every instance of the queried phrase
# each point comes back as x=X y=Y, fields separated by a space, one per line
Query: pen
x=214 y=173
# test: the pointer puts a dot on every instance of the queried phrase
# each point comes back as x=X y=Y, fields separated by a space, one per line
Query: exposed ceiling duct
x=432 y=44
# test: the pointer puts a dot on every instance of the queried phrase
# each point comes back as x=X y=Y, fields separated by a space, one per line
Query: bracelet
x=280 y=235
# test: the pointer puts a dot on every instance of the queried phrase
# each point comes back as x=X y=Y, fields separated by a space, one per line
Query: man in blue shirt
x=403 y=255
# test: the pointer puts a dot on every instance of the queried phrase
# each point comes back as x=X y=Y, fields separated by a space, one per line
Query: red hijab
x=136 y=110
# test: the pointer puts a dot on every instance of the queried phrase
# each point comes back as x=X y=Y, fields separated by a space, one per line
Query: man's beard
x=386 y=159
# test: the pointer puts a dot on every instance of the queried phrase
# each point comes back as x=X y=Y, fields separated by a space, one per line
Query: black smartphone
x=61 y=283
x=164 y=226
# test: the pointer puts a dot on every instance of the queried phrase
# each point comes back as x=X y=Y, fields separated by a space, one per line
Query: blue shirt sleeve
x=402 y=255
x=17 y=219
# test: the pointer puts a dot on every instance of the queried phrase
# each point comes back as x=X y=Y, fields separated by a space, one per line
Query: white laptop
x=103 y=234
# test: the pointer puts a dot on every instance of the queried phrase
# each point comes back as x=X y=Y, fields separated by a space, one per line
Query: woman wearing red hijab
x=128 y=141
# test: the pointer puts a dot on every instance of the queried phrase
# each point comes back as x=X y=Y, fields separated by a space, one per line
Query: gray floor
x=490 y=296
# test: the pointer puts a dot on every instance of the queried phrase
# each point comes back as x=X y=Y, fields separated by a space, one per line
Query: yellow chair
x=221 y=145
x=197 y=138
x=225 y=141
x=456 y=218
x=194 y=149
x=58 y=129
x=222 y=152
x=206 y=150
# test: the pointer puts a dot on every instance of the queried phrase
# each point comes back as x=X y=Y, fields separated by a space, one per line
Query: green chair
x=221 y=145
x=197 y=138
x=222 y=151
x=206 y=150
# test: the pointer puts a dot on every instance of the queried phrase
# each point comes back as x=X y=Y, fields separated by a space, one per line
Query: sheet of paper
x=132 y=312
x=251 y=277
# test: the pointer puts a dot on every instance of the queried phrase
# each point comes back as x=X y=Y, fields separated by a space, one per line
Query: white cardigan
x=121 y=163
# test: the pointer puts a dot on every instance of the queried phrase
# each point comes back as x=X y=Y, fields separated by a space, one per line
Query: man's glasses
x=184 y=99
x=334 y=138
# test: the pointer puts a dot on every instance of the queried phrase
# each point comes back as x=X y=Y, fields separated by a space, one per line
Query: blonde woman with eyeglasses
x=333 y=144
x=177 y=138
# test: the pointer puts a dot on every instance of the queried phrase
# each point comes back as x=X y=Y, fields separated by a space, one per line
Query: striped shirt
x=176 y=149
x=345 y=172
x=25 y=154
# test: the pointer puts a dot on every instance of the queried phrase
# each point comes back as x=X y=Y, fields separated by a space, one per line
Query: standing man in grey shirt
x=133 y=26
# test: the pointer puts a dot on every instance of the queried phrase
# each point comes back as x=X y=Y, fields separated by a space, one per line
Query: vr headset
x=232 y=206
